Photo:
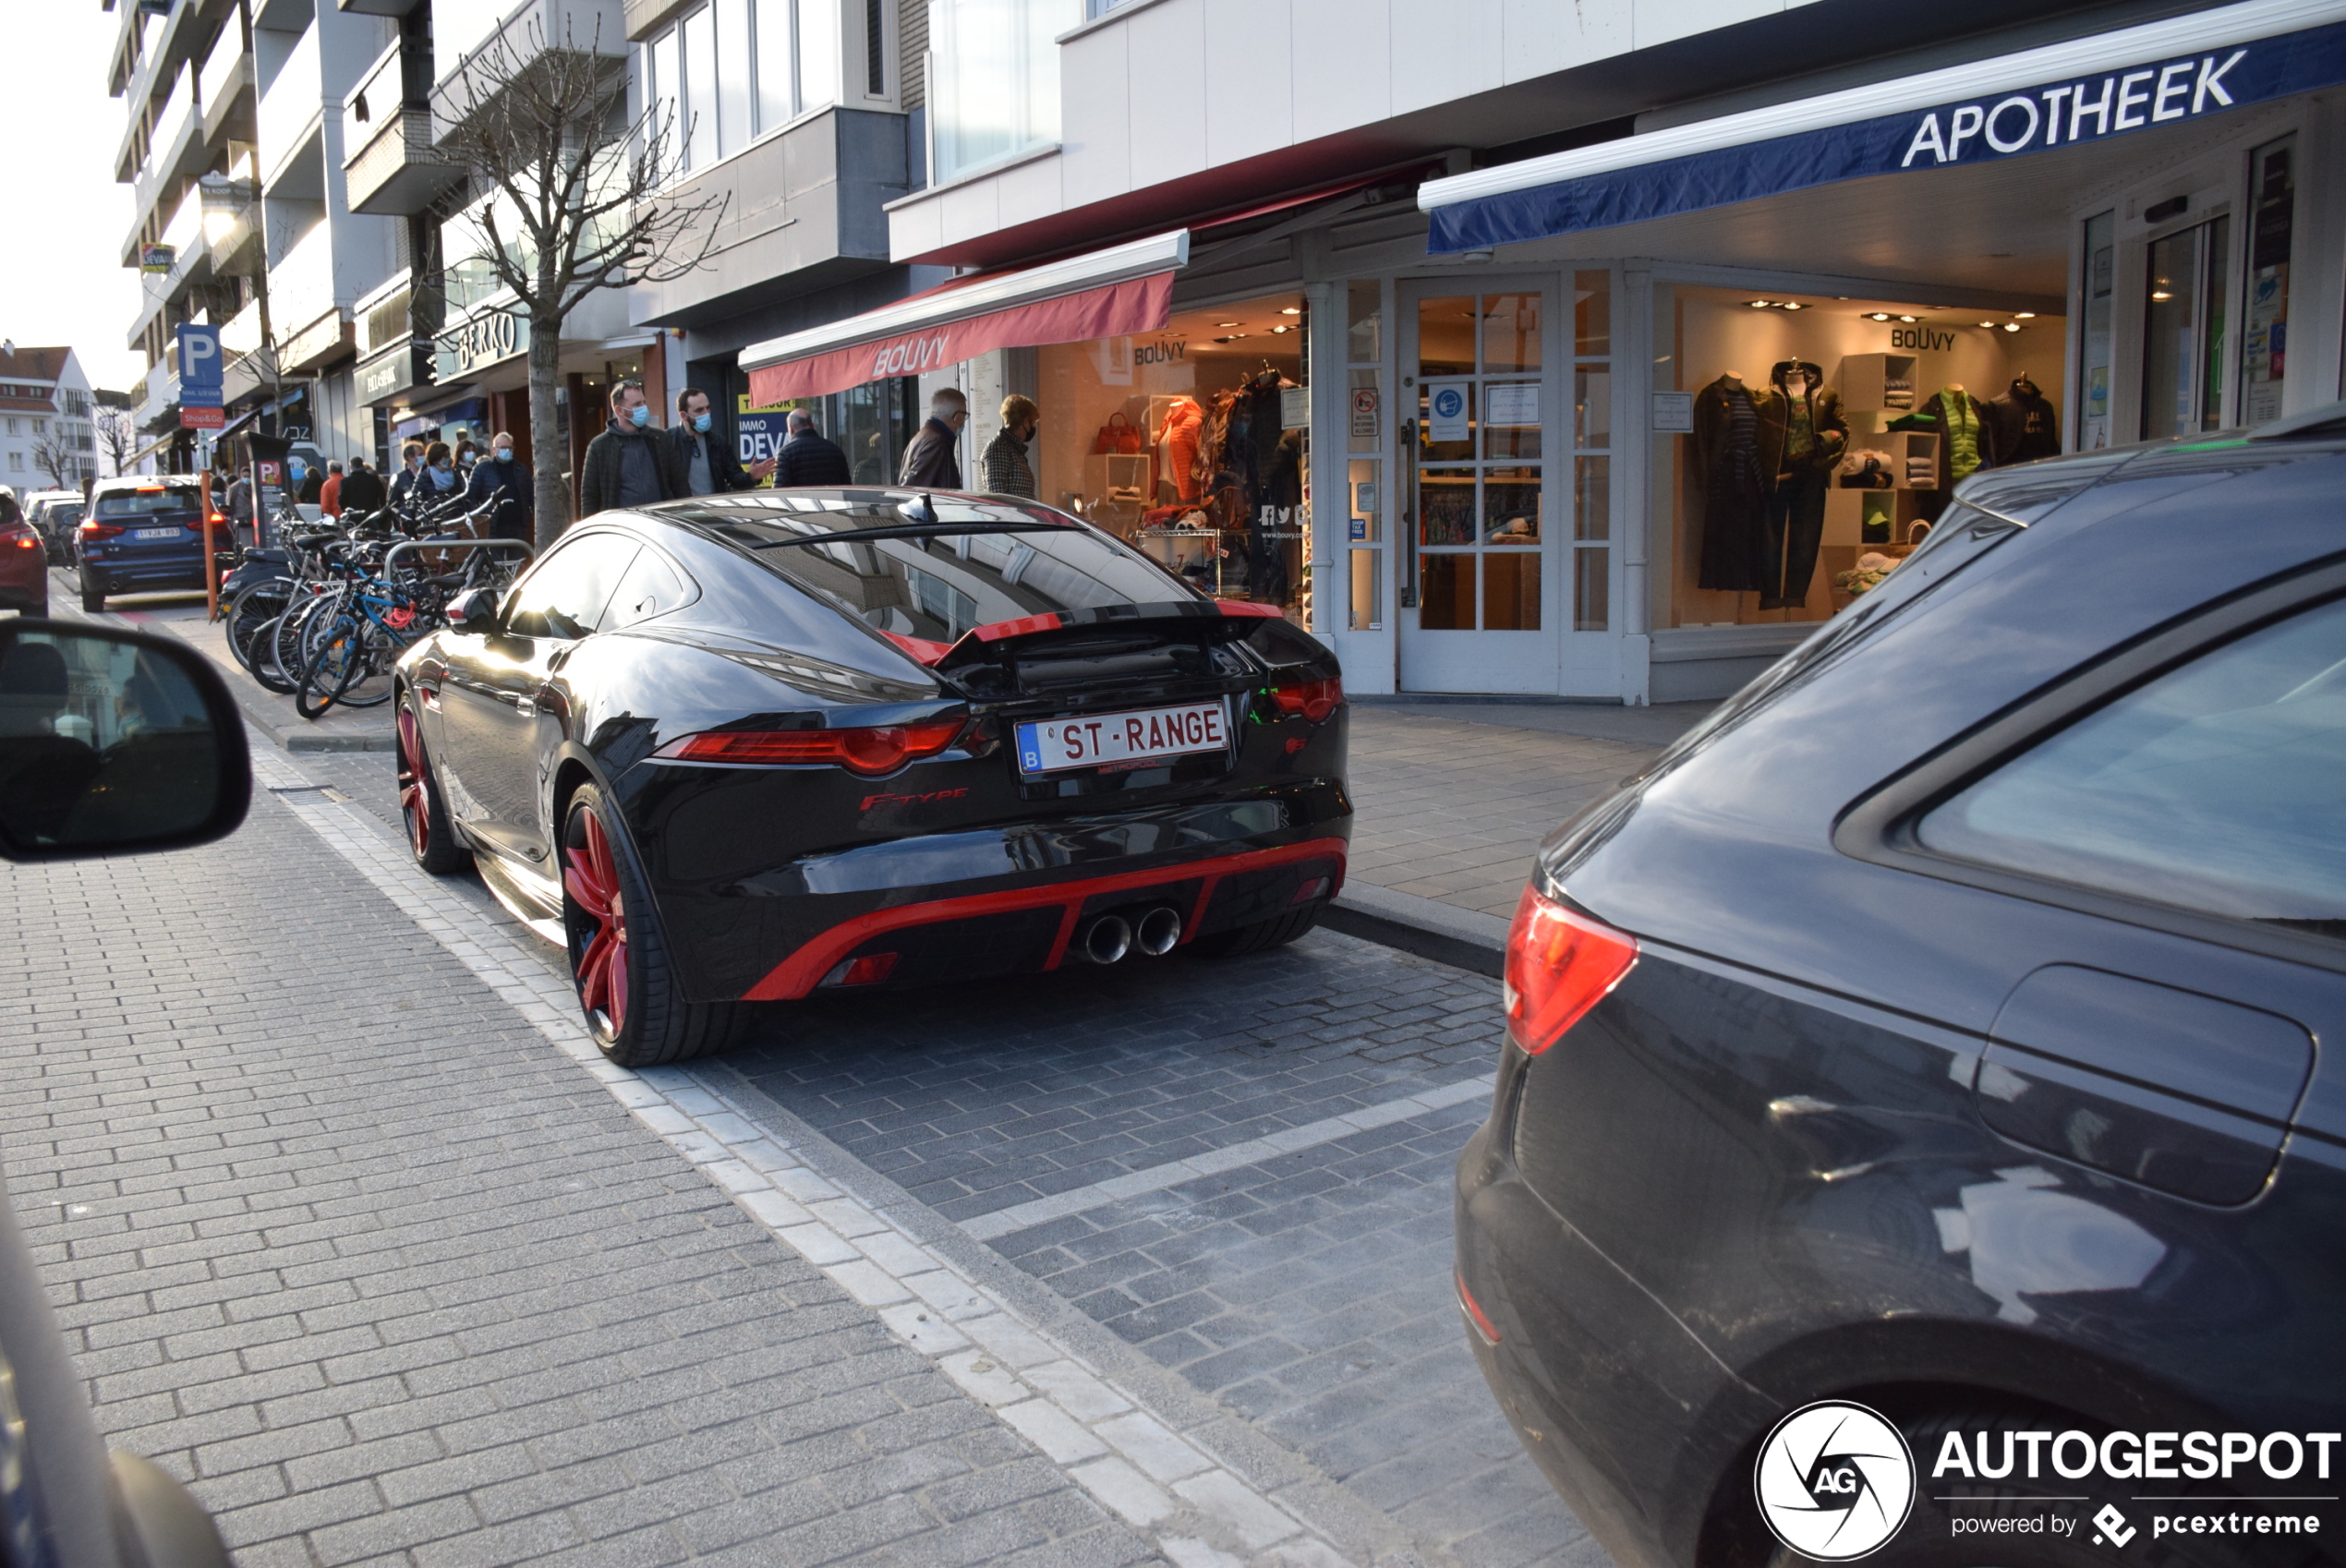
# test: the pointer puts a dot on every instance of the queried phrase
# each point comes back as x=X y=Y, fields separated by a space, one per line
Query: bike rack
x=527 y=549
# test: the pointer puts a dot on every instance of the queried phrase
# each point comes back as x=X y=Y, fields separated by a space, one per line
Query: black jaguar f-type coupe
x=746 y=748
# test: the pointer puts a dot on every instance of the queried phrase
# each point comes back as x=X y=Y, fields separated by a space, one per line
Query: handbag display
x=1120 y=435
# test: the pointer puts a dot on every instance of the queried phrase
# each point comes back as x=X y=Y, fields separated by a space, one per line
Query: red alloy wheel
x=592 y=881
x=414 y=804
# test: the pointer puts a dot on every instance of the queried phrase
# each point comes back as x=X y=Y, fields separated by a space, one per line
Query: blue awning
x=2082 y=91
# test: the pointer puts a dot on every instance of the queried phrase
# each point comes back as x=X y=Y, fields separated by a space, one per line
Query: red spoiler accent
x=1241 y=609
x=921 y=648
x=929 y=652
x=997 y=630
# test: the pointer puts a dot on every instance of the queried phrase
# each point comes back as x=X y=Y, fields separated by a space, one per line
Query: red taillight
x=26 y=541
x=94 y=529
x=217 y=520
x=1559 y=965
x=869 y=752
x=1314 y=700
x=1484 y=1328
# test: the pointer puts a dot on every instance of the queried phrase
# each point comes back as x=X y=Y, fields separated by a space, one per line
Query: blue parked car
x=143 y=535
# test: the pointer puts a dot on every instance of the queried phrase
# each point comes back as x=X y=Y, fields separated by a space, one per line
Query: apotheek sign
x=1984 y=127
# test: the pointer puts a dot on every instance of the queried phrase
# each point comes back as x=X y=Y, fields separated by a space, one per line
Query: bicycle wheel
x=366 y=679
x=280 y=667
x=250 y=612
x=328 y=670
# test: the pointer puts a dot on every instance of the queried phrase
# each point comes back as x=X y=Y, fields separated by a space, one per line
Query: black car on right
x=1949 y=1028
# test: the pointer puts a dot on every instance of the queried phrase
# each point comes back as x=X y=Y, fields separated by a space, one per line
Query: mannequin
x=2025 y=424
x=1965 y=445
x=1803 y=435
x=1178 y=437
x=1735 y=482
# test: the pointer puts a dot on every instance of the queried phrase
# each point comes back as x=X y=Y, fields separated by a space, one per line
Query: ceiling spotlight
x=2012 y=326
x=1794 y=305
x=1762 y=303
x=2161 y=293
x=1905 y=317
x=2023 y=314
x=1292 y=310
x=1282 y=327
x=1229 y=323
x=1989 y=325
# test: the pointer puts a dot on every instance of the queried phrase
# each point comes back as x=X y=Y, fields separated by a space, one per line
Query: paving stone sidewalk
x=387 y=1279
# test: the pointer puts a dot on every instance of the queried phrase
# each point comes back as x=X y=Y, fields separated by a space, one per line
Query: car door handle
x=525 y=706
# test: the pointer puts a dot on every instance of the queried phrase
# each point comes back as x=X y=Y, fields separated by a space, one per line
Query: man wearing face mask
x=411 y=467
x=500 y=481
x=703 y=455
x=630 y=463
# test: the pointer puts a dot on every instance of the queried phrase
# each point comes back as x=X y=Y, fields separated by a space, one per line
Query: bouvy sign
x=2012 y=121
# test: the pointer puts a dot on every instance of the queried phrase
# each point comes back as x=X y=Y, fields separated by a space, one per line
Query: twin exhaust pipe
x=1110 y=936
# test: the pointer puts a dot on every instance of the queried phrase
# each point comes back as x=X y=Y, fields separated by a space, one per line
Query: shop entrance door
x=2183 y=350
x=1481 y=603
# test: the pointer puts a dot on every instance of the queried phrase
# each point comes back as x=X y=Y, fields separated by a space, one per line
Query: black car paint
x=748 y=863
x=1733 y=1186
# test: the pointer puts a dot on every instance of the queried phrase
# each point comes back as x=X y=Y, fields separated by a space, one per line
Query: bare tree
x=54 y=454
x=118 y=433
x=542 y=131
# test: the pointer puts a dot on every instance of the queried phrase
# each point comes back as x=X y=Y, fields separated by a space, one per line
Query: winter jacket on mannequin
x=1178 y=436
x=1966 y=443
x=2026 y=425
x=1734 y=485
x=1803 y=429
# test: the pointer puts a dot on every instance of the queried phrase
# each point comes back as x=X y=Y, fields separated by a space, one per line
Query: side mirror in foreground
x=113 y=742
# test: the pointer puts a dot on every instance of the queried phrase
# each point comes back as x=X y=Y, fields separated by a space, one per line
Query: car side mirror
x=113 y=742
x=473 y=611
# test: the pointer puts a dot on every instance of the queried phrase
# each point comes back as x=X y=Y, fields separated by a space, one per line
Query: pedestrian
x=932 y=459
x=330 y=493
x=411 y=469
x=705 y=458
x=810 y=460
x=1004 y=461
x=438 y=482
x=628 y=462
x=466 y=455
x=362 y=491
x=303 y=482
x=501 y=482
x=240 y=508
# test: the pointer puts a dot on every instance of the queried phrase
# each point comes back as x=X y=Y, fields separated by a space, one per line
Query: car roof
x=135 y=482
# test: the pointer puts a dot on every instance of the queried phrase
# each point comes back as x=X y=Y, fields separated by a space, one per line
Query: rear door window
x=2218 y=787
x=563 y=598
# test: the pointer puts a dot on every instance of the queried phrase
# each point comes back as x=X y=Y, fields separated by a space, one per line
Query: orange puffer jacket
x=1179 y=436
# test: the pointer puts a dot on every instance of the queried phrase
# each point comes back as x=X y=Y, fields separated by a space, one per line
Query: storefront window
x=2264 y=338
x=1479 y=500
x=1591 y=441
x=1803 y=444
x=1195 y=444
x=2093 y=372
x=2183 y=333
x=993 y=78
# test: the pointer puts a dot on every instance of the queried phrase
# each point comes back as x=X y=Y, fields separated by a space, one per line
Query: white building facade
x=48 y=439
x=1424 y=331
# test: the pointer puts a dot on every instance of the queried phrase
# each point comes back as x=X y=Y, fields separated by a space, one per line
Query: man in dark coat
x=932 y=459
x=502 y=482
x=630 y=463
x=703 y=455
x=810 y=460
x=362 y=491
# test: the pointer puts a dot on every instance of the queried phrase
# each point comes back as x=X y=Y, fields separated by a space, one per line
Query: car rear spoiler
x=935 y=655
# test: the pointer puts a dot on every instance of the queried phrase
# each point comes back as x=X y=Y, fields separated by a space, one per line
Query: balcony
x=291 y=115
x=312 y=327
x=174 y=155
x=393 y=172
x=226 y=93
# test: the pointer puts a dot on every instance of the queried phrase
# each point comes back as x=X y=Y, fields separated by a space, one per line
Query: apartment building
x=47 y=436
x=234 y=142
x=1431 y=327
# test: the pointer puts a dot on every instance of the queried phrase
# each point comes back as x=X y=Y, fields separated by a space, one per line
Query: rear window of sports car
x=940 y=586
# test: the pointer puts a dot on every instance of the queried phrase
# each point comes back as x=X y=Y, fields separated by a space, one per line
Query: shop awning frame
x=1124 y=288
x=2157 y=72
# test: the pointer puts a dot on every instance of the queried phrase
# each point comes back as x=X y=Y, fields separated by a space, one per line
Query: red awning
x=1125 y=290
x=1139 y=305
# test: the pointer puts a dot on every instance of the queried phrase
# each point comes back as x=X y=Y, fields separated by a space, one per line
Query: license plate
x=1053 y=745
x=159 y=534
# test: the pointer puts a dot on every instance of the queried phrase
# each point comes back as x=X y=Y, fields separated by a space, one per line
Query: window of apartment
x=40 y=426
x=16 y=460
x=733 y=70
x=15 y=426
x=994 y=79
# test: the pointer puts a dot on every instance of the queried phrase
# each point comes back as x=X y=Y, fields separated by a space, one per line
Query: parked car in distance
x=143 y=535
x=55 y=513
x=1934 y=1029
x=24 y=568
x=753 y=747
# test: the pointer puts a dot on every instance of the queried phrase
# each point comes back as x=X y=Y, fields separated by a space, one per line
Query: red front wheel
x=431 y=838
x=627 y=988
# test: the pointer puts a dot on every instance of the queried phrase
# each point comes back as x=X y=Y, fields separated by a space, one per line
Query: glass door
x=2183 y=349
x=1480 y=585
